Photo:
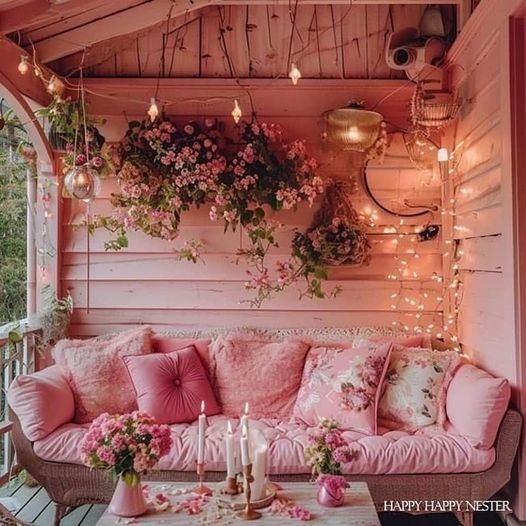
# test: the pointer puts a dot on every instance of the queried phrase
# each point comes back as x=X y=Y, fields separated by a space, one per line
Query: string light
x=236 y=112
x=153 y=110
x=23 y=66
x=295 y=74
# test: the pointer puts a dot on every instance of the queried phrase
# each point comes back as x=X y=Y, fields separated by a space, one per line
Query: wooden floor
x=33 y=506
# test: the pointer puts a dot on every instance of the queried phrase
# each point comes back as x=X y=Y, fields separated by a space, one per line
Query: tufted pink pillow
x=343 y=384
x=265 y=374
x=96 y=373
x=171 y=386
x=165 y=345
x=476 y=403
x=42 y=401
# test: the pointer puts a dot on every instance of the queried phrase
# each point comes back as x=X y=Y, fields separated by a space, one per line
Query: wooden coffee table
x=358 y=509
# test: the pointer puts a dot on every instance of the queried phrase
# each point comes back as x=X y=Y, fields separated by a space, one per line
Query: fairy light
x=23 y=65
x=236 y=112
x=153 y=110
x=294 y=74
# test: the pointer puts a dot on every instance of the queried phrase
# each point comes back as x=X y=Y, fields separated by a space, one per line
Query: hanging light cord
x=367 y=187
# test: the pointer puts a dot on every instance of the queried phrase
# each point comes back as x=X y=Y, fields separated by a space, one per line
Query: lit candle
x=244 y=417
x=230 y=461
x=201 y=437
x=245 y=459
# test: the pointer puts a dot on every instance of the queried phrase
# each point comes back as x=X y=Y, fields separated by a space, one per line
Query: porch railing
x=17 y=356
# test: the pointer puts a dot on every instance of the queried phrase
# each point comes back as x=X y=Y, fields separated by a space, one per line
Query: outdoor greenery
x=13 y=205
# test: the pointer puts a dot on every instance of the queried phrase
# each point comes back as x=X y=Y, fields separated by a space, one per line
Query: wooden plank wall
x=145 y=284
x=482 y=223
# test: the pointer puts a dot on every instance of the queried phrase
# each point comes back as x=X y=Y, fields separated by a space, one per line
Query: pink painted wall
x=479 y=65
x=145 y=284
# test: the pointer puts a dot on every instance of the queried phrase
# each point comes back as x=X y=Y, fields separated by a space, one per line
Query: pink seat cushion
x=431 y=450
x=171 y=386
x=42 y=402
x=164 y=344
x=96 y=373
x=343 y=384
x=476 y=404
x=265 y=374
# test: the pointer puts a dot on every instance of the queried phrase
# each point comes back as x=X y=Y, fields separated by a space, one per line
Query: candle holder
x=248 y=514
x=201 y=489
x=230 y=486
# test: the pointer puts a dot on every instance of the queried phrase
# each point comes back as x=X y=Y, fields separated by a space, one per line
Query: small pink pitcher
x=128 y=499
x=327 y=499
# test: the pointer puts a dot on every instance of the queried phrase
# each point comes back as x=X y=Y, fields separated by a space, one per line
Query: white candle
x=245 y=459
x=259 y=448
x=201 y=436
x=229 y=444
x=244 y=417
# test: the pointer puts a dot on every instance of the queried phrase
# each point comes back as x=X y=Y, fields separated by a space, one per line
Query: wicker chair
x=71 y=485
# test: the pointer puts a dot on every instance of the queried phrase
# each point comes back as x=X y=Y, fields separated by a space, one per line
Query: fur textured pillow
x=265 y=374
x=97 y=374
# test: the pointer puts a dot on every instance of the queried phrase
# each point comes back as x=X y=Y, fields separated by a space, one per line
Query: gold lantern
x=353 y=127
x=82 y=182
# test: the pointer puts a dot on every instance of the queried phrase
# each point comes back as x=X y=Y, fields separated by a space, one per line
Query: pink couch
x=396 y=464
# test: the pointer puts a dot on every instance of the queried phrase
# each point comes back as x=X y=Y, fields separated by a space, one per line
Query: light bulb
x=23 y=66
x=236 y=112
x=295 y=73
x=153 y=110
x=52 y=85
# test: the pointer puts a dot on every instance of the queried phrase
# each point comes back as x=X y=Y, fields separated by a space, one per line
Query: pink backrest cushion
x=265 y=374
x=417 y=340
x=343 y=384
x=165 y=345
x=96 y=373
x=171 y=386
x=42 y=401
x=476 y=404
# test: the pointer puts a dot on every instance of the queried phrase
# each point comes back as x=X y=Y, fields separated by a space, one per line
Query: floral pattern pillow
x=415 y=388
x=343 y=384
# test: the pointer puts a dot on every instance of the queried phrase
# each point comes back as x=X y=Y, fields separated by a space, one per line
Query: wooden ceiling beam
x=34 y=13
x=127 y=21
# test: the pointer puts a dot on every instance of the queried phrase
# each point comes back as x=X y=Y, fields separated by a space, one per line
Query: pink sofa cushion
x=265 y=374
x=343 y=384
x=430 y=450
x=476 y=404
x=96 y=373
x=42 y=402
x=416 y=340
x=415 y=387
x=164 y=344
x=171 y=386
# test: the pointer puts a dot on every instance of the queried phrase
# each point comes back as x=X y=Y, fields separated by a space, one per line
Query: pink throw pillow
x=476 y=404
x=42 y=401
x=415 y=388
x=343 y=384
x=265 y=374
x=97 y=375
x=165 y=345
x=171 y=386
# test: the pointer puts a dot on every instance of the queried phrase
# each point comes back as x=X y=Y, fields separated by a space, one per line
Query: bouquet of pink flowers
x=127 y=445
x=327 y=450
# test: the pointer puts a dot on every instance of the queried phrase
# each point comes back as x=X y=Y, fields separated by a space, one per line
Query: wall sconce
x=443 y=163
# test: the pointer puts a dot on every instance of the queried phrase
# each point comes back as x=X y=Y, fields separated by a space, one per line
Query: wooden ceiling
x=210 y=39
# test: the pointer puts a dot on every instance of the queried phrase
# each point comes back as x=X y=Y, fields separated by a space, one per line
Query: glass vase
x=128 y=499
x=330 y=500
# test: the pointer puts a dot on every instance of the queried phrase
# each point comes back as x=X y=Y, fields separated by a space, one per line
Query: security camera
x=407 y=50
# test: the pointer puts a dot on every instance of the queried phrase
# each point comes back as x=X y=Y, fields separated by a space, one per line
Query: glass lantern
x=82 y=182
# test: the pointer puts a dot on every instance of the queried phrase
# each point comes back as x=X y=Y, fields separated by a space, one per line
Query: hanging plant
x=336 y=237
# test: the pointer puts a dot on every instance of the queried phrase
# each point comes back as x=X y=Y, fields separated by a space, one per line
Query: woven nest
x=337 y=204
x=433 y=109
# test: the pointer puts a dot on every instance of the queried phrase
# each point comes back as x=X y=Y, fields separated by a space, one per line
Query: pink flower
x=189 y=129
x=297 y=512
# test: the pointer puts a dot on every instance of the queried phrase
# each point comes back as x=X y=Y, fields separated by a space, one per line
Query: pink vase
x=128 y=499
x=327 y=499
